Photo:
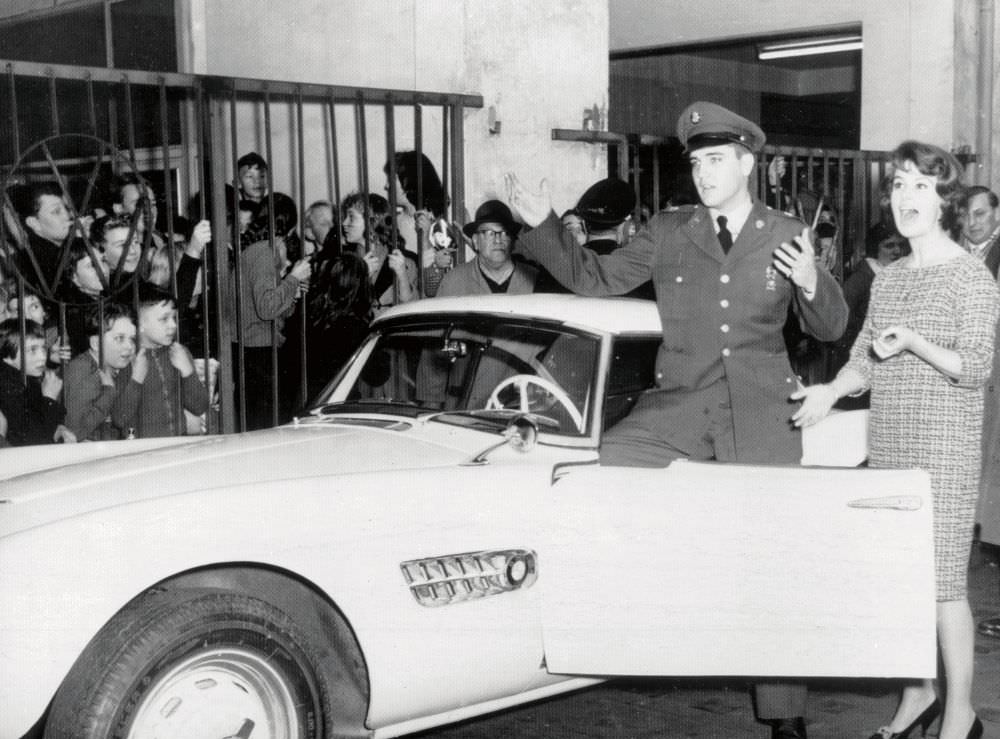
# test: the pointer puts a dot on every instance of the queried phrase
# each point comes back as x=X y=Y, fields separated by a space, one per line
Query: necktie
x=725 y=238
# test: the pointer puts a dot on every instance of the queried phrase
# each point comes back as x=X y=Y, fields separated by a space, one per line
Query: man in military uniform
x=725 y=274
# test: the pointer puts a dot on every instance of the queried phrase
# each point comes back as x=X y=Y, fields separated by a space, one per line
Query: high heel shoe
x=924 y=720
x=976 y=732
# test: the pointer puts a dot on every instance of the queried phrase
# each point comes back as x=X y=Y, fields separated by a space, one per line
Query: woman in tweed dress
x=925 y=352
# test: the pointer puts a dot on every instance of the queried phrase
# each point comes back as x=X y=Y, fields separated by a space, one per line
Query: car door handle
x=895 y=502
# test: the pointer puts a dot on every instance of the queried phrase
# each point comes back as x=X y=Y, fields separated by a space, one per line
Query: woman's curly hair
x=932 y=161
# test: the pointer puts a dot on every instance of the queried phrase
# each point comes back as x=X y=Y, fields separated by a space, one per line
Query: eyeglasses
x=489 y=233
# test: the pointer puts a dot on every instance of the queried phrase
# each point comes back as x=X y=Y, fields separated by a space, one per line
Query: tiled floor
x=667 y=708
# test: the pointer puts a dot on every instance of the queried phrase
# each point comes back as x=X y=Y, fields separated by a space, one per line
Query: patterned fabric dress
x=919 y=417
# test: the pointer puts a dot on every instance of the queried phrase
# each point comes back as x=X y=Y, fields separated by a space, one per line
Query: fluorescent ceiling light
x=807 y=47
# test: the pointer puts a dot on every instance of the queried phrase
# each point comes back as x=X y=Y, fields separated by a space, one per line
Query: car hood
x=104 y=474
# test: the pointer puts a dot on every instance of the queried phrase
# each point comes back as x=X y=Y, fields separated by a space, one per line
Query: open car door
x=704 y=568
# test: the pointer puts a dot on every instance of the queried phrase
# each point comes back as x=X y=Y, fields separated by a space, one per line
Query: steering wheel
x=521 y=382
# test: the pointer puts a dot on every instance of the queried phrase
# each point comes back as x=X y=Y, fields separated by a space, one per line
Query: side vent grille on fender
x=455 y=578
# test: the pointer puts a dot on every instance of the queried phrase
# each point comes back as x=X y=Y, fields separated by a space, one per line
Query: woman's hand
x=817 y=400
x=894 y=340
x=374 y=263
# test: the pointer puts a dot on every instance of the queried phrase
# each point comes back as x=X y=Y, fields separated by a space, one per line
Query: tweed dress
x=921 y=418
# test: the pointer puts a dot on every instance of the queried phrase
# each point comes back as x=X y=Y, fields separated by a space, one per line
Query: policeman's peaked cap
x=606 y=203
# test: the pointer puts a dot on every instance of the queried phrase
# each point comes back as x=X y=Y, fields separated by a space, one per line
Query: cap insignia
x=695 y=116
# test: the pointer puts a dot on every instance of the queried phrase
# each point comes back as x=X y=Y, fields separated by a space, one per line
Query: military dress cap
x=606 y=203
x=493 y=211
x=707 y=124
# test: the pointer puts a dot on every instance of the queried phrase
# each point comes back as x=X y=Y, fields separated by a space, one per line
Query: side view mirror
x=522 y=433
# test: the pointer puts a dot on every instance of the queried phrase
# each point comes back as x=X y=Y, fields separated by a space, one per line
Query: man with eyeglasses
x=493 y=270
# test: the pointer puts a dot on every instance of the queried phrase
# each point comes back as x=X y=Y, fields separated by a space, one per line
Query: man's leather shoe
x=788 y=728
x=990 y=627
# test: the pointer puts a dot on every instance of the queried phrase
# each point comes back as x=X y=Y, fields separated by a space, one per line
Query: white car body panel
x=340 y=505
x=222 y=519
x=814 y=551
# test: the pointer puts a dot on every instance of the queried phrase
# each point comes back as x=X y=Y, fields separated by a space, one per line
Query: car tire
x=195 y=663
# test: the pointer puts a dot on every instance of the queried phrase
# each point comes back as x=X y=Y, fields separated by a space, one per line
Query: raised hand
x=51 y=384
x=798 y=263
x=200 y=236
x=397 y=263
x=180 y=358
x=140 y=365
x=533 y=207
x=302 y=270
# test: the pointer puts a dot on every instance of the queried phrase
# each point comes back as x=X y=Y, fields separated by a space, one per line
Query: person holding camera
x=725 y=274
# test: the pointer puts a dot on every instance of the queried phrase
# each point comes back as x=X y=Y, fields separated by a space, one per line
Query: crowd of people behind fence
x=103 y=336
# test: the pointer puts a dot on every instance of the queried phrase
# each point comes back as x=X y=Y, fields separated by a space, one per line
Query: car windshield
x=471 y=370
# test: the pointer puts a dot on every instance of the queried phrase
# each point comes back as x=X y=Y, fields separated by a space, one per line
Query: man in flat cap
x=725 y=274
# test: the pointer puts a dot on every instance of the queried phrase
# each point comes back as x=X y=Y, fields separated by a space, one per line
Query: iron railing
x=183 y=135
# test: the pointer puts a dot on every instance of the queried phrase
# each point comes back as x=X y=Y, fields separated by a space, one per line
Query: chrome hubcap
x=223 y=693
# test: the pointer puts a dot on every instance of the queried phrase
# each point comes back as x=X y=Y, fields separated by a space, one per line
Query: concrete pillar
x=537 y=65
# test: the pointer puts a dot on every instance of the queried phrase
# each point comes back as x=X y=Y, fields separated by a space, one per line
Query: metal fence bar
x=209 y=258
x=53 y=103
x=237 y=267
x=361 y=130
x=91 y=106
x=390 y=148
x=341 y=93
x=167 y=190
x=303 y=303
x=15 y=123
x=455 y=215
x=269 y=156
x=458 y=159
x=129 y=99
x=418 y=148
x=335 y=159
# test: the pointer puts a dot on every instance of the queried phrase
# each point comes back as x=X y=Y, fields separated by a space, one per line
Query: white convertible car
x=435 y=540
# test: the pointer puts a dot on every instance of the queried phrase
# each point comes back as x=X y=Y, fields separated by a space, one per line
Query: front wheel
x=195 y=664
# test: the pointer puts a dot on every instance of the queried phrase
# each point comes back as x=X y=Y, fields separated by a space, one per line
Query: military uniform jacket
x=722 y=314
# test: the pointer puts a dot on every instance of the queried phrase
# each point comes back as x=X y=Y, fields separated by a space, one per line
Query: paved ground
x=665 y=708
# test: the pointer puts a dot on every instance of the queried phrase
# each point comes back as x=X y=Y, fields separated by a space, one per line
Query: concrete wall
x=537 y=65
